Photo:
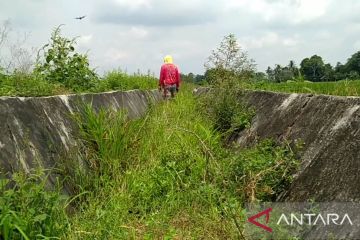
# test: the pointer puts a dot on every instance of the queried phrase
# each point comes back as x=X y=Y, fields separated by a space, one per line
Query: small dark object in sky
x=79 y=18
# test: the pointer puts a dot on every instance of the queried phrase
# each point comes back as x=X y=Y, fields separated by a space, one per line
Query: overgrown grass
x=117 y=80
x=228 y=113
x=26 y=85
x=165 y=176
x=28 y=210
x=172 y=177
x=340 y=88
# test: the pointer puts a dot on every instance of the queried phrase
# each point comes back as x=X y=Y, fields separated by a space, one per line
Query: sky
x=137 y=34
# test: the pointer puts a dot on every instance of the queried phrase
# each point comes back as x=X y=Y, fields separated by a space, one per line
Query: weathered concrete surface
x=38 y=132
x=329 y=126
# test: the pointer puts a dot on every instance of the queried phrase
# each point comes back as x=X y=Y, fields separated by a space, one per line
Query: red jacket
x=169 y=75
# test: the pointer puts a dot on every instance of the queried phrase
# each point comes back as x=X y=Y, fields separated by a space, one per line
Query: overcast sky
x=136 y=34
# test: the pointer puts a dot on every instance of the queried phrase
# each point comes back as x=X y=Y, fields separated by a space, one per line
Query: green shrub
x=227 y=110
x=28 y=210
x=61 y=70
x=265 y=170
x=61 y=64
x=229 y=70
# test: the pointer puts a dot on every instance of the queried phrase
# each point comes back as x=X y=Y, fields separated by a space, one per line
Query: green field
x=340 y=88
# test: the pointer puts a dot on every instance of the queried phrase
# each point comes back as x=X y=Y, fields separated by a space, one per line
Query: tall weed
x=179 y=181
x=28 y=210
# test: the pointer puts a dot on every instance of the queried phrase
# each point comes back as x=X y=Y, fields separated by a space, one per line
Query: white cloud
x=309 y=10
x=116 y=55
x=134 y=34
x=293 y=11
x=138 y=32
x=85 y=39
x=134 y=4
x=357 y=46
x=269 y=39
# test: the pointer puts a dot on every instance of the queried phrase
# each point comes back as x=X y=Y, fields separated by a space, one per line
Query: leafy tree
x=282 y=74
x=313 y=68
x=192 y=78
x=260 y=76
x=226 y=69
x=292 y=65
x=187 y=78
x=350 y=70
x=353 y=75
x=228 y=62
x=294 y=69
x=339 y=71
x=219 y=76
x=329 y=73
x=270 y=74
x=277 y=73
x=199 y=79
x=353 y=63
x=60 y=63
x=286 y=74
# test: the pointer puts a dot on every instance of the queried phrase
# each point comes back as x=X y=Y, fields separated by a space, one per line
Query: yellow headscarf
x=168 y=59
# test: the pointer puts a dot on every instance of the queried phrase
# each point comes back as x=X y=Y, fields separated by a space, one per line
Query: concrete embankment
x=40 y=132
x=328 y=126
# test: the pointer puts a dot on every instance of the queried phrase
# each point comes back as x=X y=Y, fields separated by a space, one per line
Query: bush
x=28 y=210
x=61 y=70
x=61 y=64
x=227 y=110
x=266 y=170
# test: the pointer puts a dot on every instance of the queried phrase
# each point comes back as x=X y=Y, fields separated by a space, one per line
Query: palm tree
x=293 y=68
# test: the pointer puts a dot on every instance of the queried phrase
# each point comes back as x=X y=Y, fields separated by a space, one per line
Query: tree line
x=316 y=70
x=229 y=59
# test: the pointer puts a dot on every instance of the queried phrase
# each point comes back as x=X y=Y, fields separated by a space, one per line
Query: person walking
x=169 y=80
